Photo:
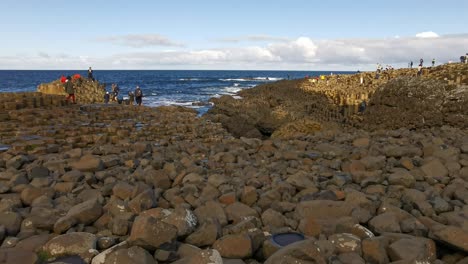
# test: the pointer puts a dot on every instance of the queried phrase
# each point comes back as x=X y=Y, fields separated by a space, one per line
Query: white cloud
x=302 y=53
x=427 y=34
x=254 y=38
x=140 y=40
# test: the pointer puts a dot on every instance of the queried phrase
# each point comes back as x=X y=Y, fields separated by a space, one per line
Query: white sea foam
x=189 y=79
x=255 y=79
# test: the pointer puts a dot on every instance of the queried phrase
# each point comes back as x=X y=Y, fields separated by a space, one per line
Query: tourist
x=131 y=97
x=115 y=92
x=90 y=74
x=411 y=65
x=106 y=98
x=70 y=89
x=362 y=107
x=462 y=59
x=433 y=62
x=421 y=61
x=419 y=70
x=466 y=58
x=138 y=95
x=63 y=79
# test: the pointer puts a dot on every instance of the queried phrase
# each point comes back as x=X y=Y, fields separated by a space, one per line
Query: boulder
x=16 y=255
x=150 y=233
x=89 y=163
x=11 y=222
x=234 y=246
x=306 y=251
x=72 y=244
x=236 y=212
x=132 y=255
x=414 y=249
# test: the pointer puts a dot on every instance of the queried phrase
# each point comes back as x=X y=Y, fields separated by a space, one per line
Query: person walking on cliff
x=138 y=96
x=419 y=70
x=70 y=89
x=90 y=74
x=411 y=65
x=421 y=61
x=433 y=62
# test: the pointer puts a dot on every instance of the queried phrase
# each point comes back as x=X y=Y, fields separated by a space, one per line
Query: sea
x=190 y=88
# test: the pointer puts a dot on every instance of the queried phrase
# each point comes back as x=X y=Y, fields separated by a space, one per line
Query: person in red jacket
x=63 y=79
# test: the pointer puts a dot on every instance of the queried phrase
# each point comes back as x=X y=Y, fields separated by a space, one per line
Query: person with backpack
x=70 y=89
x=138 y=95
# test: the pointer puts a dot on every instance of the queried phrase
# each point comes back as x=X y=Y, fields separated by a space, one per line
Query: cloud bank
x=303 y=53
x=140 y=40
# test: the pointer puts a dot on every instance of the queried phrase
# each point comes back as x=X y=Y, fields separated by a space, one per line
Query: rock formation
x=86 y=91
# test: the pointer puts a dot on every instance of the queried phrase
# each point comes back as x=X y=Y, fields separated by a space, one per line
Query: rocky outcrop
x=86 y=91
x=398 y=98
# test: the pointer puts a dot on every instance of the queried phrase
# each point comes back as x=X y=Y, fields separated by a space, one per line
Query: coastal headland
x=294 y=160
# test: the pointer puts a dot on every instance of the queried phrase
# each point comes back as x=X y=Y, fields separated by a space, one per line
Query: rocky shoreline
x=124 y=184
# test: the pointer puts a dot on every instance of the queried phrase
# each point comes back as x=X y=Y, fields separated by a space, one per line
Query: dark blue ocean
x=161 y=87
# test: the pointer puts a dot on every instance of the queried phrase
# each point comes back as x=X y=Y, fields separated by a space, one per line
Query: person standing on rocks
x=421 y=61
x=70 y=89
x=138 y=96
x=433 y=62
x=90 y=74
x=419 y=70
x=131 y=97
x=106 y=98
x=411 y=65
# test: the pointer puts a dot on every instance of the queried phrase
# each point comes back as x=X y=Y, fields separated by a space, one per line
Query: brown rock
x=236 y=212
x=310 y=227
x=88 y=163
x=11 y=221
x=401 y=177
x=386 y=222
x=183 y=219
x=16 y=255
x=143 y=201
x=211 y=256
x=451 y=235
x=205 y=235
x=234 y=246
x=361 y=142
x=249 y=195
x=211 y=210
x=435 y=169
x=123 y=190
x=374 y=250
x=305 y=251
x=132 y=255
x=73 y=244
x=273 y=219
x=415 y=249
x=150 y=233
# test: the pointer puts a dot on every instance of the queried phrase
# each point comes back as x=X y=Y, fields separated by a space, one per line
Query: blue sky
x=182 y=34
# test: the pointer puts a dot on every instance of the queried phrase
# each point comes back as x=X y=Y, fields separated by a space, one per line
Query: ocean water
x=161 y=87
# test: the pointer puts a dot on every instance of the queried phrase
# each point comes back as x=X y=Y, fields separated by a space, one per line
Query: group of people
x=133 y=96
x=464 y=58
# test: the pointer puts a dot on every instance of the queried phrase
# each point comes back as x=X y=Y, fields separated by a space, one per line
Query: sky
x=230 y=35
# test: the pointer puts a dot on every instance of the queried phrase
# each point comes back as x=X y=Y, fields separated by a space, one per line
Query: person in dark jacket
x=106 y=97
x=131 y=98
x=70 y=89
x=90 y=74
x=138 y=95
